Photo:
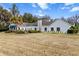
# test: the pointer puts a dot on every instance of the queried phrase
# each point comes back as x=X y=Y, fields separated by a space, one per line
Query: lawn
x=37 y=44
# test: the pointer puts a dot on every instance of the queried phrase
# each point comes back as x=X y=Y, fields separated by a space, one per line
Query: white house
x=46 y=26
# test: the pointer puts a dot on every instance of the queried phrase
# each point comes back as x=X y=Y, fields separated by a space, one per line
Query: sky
x=54 y=10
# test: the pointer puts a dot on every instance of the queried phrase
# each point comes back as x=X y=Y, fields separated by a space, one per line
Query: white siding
x=28 y=28
x=43 y=28
x=64 y=26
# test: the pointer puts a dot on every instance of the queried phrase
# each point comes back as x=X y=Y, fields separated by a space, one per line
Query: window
x=52 y=29
x=58 y=29
x=45 y=29
x=12 y=27
x=35 y=29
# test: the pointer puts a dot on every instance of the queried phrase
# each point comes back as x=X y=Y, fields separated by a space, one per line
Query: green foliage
x=77 y=26
x=3 y=29
x=17 y=32
x=4 y=19
x=14 y=10
x=27 y=17
x=9 y=31
x=73 y=29
x=4 y=14
x=20 y=32
x=3 y=26
x=33 y=31
x=16 y=19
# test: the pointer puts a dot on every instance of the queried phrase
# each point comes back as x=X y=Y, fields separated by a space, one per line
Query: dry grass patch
x=38 y=44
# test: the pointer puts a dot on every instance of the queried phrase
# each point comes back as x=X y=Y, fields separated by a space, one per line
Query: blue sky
x=54 y=10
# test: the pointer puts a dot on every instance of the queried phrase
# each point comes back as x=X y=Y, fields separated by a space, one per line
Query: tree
x=14 y=10
x=73 y=29
x=73 y=19
x=27 y=17
x=35 y=18
x=20 y=20
x=4 y=14
x=16 y=18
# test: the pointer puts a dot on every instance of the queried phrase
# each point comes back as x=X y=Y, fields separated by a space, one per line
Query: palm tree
x=14 y=10
x=15 y=14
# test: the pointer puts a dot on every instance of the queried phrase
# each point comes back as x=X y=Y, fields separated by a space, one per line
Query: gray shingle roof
x=65 y=21
x=29 y=24
x=44 y=23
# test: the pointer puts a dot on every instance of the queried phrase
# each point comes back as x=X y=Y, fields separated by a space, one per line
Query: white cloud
x=40 y=13
x=43 y=5
x=34 y=5
x=67 y=6
x=74 y=9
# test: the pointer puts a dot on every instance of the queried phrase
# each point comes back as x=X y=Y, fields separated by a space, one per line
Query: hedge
x=33 y=31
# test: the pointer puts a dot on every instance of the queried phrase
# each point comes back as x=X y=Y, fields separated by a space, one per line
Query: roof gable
x=63 y=21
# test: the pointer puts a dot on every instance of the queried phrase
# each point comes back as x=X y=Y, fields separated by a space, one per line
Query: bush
x=3 y=29
x=9 y=31
x=72 y=31
x=3 y=26
x=33 y=31
x=20 y=32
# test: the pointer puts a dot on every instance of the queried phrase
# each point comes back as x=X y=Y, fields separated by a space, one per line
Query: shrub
x=2 y=30
x=20 y=32
x=72 y=31
x=3 y=26
x=33 y=31
x=9 y=31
